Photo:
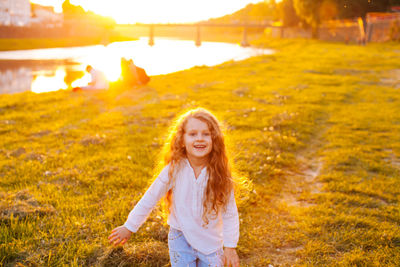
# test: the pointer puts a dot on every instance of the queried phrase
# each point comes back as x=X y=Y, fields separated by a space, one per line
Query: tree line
x=75 y=12
x=77 y=21
x=307 y=13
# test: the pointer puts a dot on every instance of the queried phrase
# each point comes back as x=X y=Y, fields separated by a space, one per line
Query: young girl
x=197 y=182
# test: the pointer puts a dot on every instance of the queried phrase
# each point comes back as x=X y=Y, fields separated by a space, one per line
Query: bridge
x=197 y=26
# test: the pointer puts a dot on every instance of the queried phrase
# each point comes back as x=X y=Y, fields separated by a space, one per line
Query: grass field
x=315 y=126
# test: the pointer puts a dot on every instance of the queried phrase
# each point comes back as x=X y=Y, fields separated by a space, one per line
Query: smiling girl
x=197 y=182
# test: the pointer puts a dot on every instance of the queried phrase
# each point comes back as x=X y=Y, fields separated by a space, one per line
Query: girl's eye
x=207 y=134
x=192 y=134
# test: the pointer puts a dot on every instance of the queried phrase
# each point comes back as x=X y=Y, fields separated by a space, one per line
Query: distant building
x=5 y=16
x=45 y=15
x=395 y=8
x=15 y=12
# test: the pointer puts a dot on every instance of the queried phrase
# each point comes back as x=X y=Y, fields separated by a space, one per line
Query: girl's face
x=197 y=139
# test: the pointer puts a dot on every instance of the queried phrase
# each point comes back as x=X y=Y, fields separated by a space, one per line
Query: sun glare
x=46 y=83
x=156 y=11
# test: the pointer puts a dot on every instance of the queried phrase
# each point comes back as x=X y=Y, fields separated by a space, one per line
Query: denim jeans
x=181 y=253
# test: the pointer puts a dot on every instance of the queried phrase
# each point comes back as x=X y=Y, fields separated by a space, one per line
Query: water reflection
x=44 y=70
x=38 y=76
x=15 y=80
x=44 y=82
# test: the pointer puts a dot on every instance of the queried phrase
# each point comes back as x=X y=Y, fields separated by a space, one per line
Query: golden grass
x=315 y=126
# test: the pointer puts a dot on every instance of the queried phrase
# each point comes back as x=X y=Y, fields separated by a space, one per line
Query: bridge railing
x=197 y=26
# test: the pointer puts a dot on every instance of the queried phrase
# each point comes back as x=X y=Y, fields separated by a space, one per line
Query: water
x=44 y=70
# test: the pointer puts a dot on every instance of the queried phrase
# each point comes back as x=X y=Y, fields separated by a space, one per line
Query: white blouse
x=187 y=210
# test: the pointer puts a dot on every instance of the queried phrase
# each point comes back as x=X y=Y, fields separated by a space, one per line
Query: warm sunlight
x=46 y=83
x=111 y=67
x=270 y=127
x=156 y=10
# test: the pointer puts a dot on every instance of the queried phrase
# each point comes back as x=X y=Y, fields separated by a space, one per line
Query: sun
x=156 y=11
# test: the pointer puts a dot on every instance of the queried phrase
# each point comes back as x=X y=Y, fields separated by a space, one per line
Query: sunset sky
x=147 y=11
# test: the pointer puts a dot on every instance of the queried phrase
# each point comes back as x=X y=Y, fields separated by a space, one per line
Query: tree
x=315 y=11
x=72 y=10
x=259 y=12
x=287 y=13
x=78 y=21
x=309 y=11
x=359 y=8
x=328 y=10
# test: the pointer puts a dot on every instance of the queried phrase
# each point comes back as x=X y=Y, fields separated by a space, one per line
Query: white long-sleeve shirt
x=99 y=80
x=187 y=210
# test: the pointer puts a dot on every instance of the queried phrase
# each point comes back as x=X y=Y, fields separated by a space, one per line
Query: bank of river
x=7 y=44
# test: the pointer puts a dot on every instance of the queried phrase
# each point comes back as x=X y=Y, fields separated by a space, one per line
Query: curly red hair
x=220 y=184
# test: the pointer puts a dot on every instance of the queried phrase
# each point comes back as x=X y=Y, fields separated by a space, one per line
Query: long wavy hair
x=220 y=183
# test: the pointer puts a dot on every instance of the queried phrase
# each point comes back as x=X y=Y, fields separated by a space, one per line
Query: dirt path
x=298 y=193
x=304 y=181
x=278 y=220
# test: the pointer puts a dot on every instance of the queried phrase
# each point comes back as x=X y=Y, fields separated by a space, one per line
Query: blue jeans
x=181 y=253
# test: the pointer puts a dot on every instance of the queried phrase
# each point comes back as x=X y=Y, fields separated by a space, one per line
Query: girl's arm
x=142 y=209
x=230 y=219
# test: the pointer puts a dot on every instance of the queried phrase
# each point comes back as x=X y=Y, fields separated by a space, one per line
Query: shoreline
x=11 y=44
x=50 y=60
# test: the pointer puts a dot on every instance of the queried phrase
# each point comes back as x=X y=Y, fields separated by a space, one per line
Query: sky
x=156 y=11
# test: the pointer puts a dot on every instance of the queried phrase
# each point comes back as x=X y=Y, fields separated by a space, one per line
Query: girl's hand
x=231 y=259
x=119 y=235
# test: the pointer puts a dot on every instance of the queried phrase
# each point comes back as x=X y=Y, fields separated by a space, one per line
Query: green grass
x=72 y=165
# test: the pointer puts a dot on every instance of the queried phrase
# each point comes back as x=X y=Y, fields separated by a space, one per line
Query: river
x=51 y=69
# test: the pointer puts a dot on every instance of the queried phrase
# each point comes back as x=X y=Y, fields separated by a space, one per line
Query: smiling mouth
x=199 y=146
